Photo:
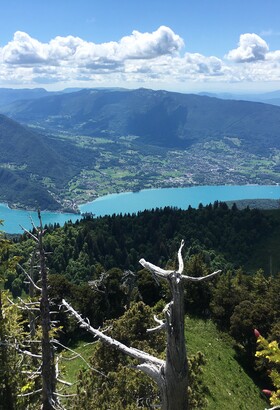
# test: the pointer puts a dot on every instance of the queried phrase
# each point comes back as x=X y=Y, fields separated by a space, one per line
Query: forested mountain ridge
x=9 y=95
x=29 y=162
x=21 y=145
x=25 y=158
x=162 y=118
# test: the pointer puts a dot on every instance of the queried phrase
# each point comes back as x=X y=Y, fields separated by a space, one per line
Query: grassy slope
x=72 y=367
x=229 y=385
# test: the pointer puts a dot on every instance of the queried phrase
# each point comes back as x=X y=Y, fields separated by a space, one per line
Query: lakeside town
x=124 y=166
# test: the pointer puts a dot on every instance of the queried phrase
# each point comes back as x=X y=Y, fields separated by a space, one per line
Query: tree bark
x=174 y=382
x=174 y=389
x=48 y=365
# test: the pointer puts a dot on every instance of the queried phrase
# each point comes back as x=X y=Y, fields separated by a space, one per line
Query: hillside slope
x=26 y=148
x=229 y=386
x=158 y=117
x=9 y=95
x=19 y=190
x=28 y=163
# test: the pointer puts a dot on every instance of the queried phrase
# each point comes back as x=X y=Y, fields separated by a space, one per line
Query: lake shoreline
x=77 y=211
x=19 y=207
x=134 y=202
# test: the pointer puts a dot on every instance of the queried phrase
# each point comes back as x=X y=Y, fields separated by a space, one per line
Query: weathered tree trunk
x=174 y=376
x=48 y=365
x=32 y=316
x=174 y=388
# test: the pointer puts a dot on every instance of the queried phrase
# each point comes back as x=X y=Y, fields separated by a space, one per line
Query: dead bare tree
x=49 y=398
x=171 y=375
x=48 y=370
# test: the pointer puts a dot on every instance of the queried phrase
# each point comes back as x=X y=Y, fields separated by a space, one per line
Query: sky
x=176 y=45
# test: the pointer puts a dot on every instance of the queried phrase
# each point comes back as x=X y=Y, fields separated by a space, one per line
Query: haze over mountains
x=157 y=117
x=272 y=97
x=153 y=118
x=8 y=95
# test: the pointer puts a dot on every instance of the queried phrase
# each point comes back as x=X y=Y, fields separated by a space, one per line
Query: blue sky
x=181 y=45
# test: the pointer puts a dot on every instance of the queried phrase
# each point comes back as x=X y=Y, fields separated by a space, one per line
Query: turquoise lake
x=132 y=202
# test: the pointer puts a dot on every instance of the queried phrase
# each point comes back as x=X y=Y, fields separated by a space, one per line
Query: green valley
x=125 y=166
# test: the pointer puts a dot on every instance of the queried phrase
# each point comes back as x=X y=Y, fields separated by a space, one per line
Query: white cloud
x=251 y=48
x=73 y=57
x=140 y=59
x=199 y=64
x=273 y=56
x=150 y=45
x=25 y=50
x=63 y=48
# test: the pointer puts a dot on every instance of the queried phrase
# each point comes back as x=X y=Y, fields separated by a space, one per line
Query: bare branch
x=29 y=278
x=32 y=375
x=65 y=395
x=33 y=224
x=64 y=382
x=29 y=233
x=29 y=303
x=30 y=394
x=75 y=356
x=128 y=273
x=180 y=258
x=56 y=405
x=163 y=273
x=155 y=269
x=56 y=368
x=25 y=305
x=152 y=371
x=161 y=326
x=27 y=353
x=200 y=278
x=130 y=351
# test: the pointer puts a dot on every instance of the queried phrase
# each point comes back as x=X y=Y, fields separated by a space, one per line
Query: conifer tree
x=14 y=363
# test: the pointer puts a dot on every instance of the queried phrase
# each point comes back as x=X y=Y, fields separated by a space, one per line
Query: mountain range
x=157 y=117
x=272 y=97
x=32 y=152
